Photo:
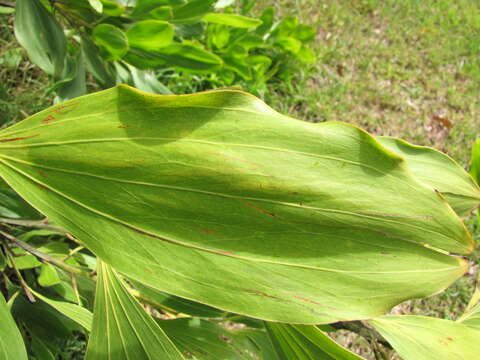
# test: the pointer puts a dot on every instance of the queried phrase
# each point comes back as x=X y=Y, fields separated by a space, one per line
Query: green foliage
x=218 y=199
x=107 y=38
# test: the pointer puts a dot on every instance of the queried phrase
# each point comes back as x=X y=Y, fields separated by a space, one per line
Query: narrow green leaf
x=41 y=35
x=216 y=198
x=232 y=20
x=267 y=18
x=475 y=165
x=3 y=261
x=439 y=171
x=40 y=350
x=112 y=40
x=180 y=56
x=14 y=207
x=95 y=64
x=44 y=322
x=305 y=343
x=48 y=276
x=11 y=342
x=425 y=338
x=122 y=327
x=74 y=312
x=193 y=11
x=76 y=85
x=150 y=34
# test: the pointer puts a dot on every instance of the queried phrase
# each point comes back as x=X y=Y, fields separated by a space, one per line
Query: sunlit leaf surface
x=217 y=198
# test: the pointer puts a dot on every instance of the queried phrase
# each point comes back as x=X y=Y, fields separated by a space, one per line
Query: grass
x=399 y=68
x=406 y=68
x=23 y=86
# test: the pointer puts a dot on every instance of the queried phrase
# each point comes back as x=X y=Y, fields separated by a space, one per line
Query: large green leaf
x=438 y=171
x=121 y=327
x=305 y=343
x=425 y=338
x=11 y=342
x=217 y=198
x=41 y=35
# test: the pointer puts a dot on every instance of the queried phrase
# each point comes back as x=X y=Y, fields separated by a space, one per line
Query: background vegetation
x=409 y=69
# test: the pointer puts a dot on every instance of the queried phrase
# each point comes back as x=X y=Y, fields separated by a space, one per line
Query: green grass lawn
x=401 y=68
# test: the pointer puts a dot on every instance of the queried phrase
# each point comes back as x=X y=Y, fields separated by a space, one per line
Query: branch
x=44 y=257
x=7 y=4
x=39 y=224
x=361 y=329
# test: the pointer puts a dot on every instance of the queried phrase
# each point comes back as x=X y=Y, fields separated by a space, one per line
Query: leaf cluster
x=147 y=43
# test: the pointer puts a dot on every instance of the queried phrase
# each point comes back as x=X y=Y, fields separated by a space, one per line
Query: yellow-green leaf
x=217 y=198
x=121 y=327
x=426 y=338
x=439 y=171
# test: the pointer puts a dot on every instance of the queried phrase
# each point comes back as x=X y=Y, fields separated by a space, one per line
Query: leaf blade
x=122 y=327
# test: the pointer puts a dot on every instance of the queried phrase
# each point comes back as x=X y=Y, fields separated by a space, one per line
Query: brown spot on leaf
x=42 y=173
x=307 y=300
x=17 y=138
x=61 y=109
x=123 y=126
x=208 y=231
x=266 y=212
x=48 y=119
x=226 y=252
x=260 y=293
x=294 y=193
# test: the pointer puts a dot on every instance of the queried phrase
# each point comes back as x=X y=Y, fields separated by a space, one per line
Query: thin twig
x=7 y=4
x=361 y=329
x=39 y=224
x=23 y=283
x=42 y=256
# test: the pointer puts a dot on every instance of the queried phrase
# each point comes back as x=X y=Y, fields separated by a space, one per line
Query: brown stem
x=7 y=4
x=23 y=245
x=361 y=329
x=39 y=224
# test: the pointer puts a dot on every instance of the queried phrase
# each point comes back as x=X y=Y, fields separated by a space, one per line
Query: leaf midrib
x=133 y=227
